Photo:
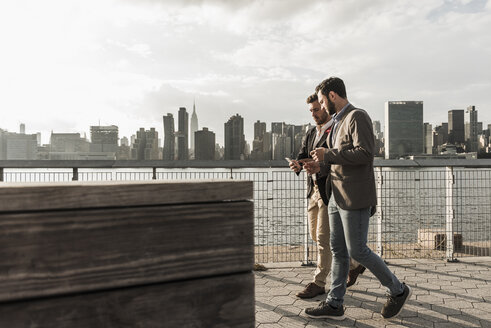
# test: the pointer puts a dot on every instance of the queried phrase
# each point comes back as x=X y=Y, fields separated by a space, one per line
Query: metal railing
x=425 y=210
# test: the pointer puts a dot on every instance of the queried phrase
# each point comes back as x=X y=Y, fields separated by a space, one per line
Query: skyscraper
x=428 y=138
x=146 y=146
x=471 y=129
x=205 y=145
x=259 y=130
x=194 y=125
x=183 y=135
x=234 y=138
x=403 y=128
x=456 y=129
x=104 y=139
x=169 y=138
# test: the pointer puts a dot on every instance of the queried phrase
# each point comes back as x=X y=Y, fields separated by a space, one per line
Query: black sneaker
x=394 y=304
x=325 y=311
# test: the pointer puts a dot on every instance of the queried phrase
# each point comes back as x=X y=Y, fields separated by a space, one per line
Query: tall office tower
x=258 y=151
x=205 y=145
x=278 y=127
x=146 y=146
x=456 y=129
x=169 y=138
x=282 y=146
x=183 y=135
x=471 y=129
x=428 y=138
x=299 y=132
x=125 y=141
x=38 y=138
x=104 y=139
x=194 y=125
x=22 y=128
x=259 y=130
x=403 y=128
x=376 y=129
x=234 y=138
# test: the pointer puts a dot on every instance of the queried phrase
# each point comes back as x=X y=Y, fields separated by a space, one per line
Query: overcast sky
x=66 y=65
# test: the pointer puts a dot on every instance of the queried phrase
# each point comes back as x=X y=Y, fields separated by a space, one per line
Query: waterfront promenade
x=444 y=295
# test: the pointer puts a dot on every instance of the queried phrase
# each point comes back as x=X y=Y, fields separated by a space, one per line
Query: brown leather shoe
x=311 y=290
x=353 y=274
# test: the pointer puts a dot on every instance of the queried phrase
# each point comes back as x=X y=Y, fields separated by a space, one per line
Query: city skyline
x=69 y=65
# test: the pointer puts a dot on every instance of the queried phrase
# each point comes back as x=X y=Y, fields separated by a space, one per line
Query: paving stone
x=464 y=320
x=485 y=306
x=464 y=284
x=269 y=325
x=288 y=310
x=275 y=284
x=433 y=299
x=445 y=309
x=432 y=316
x=279 y=291
x=267 y=317
x=458 y=304
x=282 y=300
x=416 y=322
x=446 y=325
x=293 y=322
x=371 y=323
x=358 y=313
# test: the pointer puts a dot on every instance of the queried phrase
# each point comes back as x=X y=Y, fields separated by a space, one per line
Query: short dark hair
x=334 y=84
x=312 y=98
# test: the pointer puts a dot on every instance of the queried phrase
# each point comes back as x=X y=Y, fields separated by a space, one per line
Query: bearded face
x=330 y=107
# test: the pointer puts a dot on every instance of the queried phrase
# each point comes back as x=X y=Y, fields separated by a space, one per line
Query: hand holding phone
x=295 y=165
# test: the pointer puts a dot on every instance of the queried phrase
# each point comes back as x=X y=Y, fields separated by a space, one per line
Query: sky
x=66 y=65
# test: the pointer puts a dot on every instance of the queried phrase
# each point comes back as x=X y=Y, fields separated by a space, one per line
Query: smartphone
x=289 y=160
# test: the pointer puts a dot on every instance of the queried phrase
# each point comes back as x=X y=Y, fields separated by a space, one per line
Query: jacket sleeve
x=360 y=151
x=304 y=150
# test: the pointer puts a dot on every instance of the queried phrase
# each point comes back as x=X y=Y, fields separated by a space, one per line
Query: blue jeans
x=349 y=231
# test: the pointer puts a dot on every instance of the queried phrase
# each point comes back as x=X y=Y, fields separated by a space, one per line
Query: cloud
x=131 y=62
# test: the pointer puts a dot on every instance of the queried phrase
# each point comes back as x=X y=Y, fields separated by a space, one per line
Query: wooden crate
x=127 y=254
x=437 y=238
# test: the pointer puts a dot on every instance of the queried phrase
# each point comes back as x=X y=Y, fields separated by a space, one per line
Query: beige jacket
x=352 y=181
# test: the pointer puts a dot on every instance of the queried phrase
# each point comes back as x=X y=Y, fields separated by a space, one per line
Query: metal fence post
x=307 y=261
x=1 y=174
x=75 y=174
x=380 y=215
x=154 y=173
x=450 y=214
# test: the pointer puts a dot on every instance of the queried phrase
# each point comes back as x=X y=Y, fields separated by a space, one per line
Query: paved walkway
x=444 y=295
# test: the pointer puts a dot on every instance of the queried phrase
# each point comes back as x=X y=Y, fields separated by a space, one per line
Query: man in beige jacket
x=352 y=201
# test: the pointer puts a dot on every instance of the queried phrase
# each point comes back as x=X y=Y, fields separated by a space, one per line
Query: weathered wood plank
x=59 y=252
x=226 y=301
x=68 y=195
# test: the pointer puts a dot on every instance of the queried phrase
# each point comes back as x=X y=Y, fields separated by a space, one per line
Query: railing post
x=450 y=214
x=154 y=173
x=307 y=261
x=380 y=215
x=1 y=174
x=75 y=174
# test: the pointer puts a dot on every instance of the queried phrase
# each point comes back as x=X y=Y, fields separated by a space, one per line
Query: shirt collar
x=338 y=116
x=326 y=126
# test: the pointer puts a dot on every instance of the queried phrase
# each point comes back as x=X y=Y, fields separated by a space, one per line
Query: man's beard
x=331 y=109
